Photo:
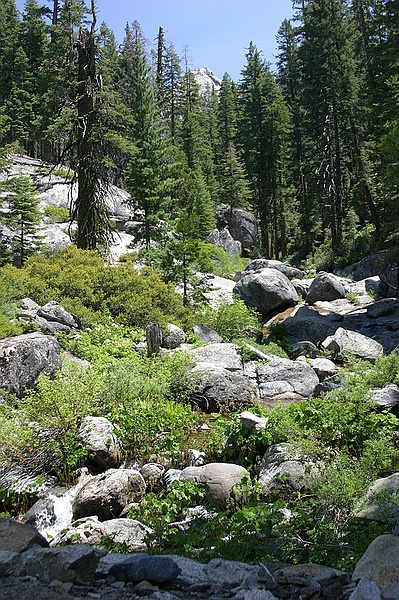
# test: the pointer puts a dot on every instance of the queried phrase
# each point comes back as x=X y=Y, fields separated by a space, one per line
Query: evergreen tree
x=146 y=177
x=335 y=160
x=264 y=125
x=235 y=190
x=20 y=202
x=9 y=42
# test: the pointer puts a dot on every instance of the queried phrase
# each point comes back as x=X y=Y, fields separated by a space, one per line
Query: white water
x=62 y=508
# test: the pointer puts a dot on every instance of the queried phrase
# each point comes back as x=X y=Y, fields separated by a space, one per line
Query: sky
x=213 y=33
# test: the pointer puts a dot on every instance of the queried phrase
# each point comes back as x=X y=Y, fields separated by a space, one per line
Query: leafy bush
x=231 y=321
x=226 y=264
x=45 y=422
x=56 y=214
x=146 y=398
x=80 y=281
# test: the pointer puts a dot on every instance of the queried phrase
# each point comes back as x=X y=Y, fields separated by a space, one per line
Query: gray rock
x=302 y=286
x=305 y=348
x=97 y=435
x=252 y=422
x=294 y=376
x=281 y=460
x=367 y=267
x=219 y=571
x=207 y=335
x=217 y=478
x=128 y=532
x=386 y=397
x=75 y=563
x=241 y=224
x=155 y=569
x=265 y=263
x=218 y=389
x=225 y=356
x=53 y=311
x=174 y=338
x=106 y=495
x=24 y=357
x=268 y=291
x=389 y=284
x=380 y=563
x=307 y=324
x=9 y=563
x=325 y=286
x=323 y=367
x=153 y=475
x=88 y=530
x=328 y=385
x=16 y=537
x=353 y=343
x=225 y=240
x=366 y=590
x=380 y=502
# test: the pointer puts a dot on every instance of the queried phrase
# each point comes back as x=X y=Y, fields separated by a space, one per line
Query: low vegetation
x=147 y=399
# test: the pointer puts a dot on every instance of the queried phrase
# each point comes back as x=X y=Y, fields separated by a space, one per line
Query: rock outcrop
x=24 y=357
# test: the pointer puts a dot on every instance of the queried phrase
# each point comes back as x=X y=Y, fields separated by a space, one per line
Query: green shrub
x=50 y=416
x=57 y=214
x=80 y=281
x=146 y=397
x=231 y=320
x=226 y=264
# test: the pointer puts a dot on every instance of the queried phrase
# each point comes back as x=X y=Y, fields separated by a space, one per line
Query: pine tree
x=20 y=202
x=9 y=42
x=146 y=177
x=264 y=125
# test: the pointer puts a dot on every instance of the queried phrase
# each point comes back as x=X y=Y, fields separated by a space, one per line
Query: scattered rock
x=380 y=563
x=24 y=357
x=354 y=343
x=107 y=494
x=97 y=435
x=155 y=569
x=174 y=338
x=217 y=478
x=325 y=286
x=268 y=291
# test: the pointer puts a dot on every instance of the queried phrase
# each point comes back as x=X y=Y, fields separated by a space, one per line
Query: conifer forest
x=311 y=149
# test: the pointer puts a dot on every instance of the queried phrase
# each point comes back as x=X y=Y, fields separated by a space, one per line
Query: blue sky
x=215 y=33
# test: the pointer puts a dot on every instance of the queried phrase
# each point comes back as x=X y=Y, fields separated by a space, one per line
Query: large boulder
x=268 y=291
x=325 y=287
x=224 y=356
x=106 y=495
x=218 y=389
x=387 y=397
x=51 y=318
x=174 y=338
x=76 y=564
x=225 y=240
x=389 y=276
x=307 y=324
x=90 y=530
x=216 y=478
x=288 y=376
x=241 y=224
x=24 y=357
x=381 y=500
x=265 y=263
x=16 y=537
x=97 y=435
x=367 y=267
x=380 y=563
x=354 y=343
x=281 y=461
